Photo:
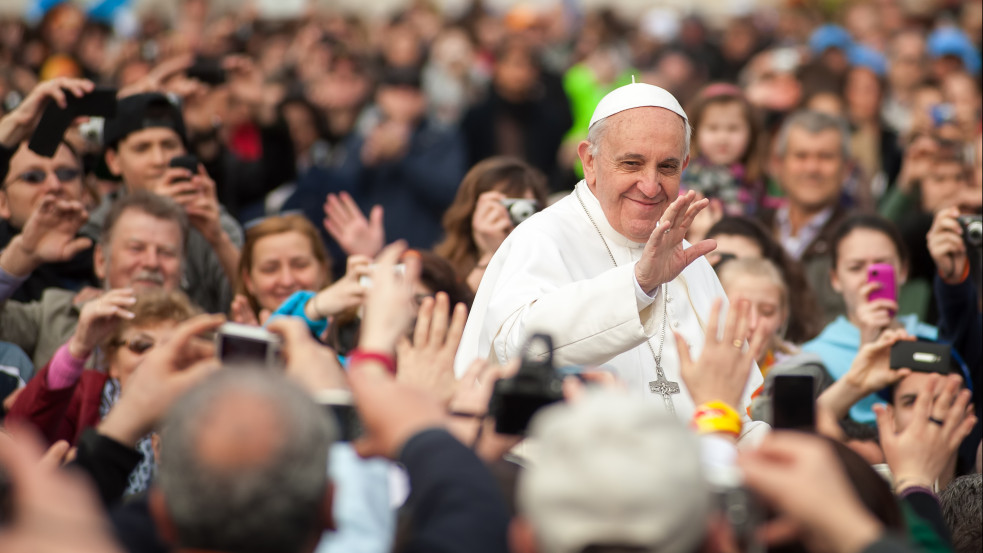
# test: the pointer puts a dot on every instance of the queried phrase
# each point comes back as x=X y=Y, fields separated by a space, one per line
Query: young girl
x=725 y=164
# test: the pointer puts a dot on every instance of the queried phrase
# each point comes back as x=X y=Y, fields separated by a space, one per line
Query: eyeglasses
x=138 y=345
x=38 y=176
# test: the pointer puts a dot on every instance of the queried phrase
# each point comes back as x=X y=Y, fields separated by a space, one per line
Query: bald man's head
x=244 y=465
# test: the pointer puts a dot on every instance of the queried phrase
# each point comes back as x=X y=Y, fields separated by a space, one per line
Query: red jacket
x=60 y=414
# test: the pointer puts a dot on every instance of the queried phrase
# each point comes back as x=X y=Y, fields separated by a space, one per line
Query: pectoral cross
x=665 y=387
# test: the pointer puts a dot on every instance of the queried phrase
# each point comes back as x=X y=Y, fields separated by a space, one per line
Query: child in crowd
x=725 y=164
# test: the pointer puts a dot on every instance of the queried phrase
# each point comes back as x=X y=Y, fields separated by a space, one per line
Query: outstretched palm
x=664 y=256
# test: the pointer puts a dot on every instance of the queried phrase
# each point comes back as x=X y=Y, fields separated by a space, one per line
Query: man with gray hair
x=141 y=247
x=811 y=154
x=606 y=271
x=242 y=466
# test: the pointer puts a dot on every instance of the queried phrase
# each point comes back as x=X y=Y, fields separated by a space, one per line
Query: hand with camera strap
x=947 y=246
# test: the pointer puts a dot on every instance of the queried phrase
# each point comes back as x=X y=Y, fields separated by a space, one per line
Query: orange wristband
x=962 y=277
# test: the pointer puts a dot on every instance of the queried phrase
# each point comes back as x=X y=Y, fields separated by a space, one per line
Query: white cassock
x=553 y=275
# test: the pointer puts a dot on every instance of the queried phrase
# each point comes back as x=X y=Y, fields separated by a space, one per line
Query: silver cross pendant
x=666 y=388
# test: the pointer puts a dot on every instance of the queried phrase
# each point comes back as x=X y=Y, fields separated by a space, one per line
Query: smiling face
x=813 y=168
x=768 y=310
x=283 y=264
x=636 y=170
x=144 y=252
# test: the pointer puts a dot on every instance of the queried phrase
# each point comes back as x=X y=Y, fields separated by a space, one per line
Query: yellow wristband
x=716 y=417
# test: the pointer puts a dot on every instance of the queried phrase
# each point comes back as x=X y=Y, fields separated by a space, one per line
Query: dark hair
x=159 y=207
x=716 y=95
x=866 y=221
x=962 y=509
x=438 y=275
x=803 y=308
x=510 y=175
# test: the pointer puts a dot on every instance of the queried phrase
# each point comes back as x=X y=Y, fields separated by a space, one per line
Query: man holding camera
x=605 y=271
x=142 y=141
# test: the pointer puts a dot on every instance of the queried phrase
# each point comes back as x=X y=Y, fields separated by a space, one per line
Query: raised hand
x=721 y=372
x=389 y=307
x=166 y=373
x=802 y=479
x=870 y=371
x=345 y=293
x=49 y=236
x=664 y=256
x=309 y=363
x=355 y=234
x=99 y=319
x=945 y=244
x=874 y=316
x=918 y=454
x=490 y=224
x=52 y=510
x=155 y=80
x=241 y=312
x=17 y=126
x=428 y=361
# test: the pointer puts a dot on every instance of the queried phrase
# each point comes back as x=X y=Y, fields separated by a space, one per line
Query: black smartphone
x=208 y=71
x=101 y=102
x=338 y=405
x=186 y=161
x=927 y=357
x=793 y=403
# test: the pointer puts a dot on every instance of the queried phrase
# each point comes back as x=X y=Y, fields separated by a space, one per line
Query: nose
x=52 y=185
x=285 y=278
x=648 y=183
x=151 y=258
x=158 y=156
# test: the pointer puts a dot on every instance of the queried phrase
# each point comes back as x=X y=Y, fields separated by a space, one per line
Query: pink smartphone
x=883 y=274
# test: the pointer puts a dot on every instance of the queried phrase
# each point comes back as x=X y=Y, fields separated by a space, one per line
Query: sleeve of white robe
x=590 y=320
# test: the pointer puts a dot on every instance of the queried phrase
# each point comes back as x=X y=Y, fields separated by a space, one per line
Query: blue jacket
x=839 y=343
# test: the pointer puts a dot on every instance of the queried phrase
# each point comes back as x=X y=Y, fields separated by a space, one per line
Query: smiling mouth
x=639 y=202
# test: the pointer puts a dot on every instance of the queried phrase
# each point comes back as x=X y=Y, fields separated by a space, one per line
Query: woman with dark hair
x=859 y=242
x=739 y=237
x=476 y=224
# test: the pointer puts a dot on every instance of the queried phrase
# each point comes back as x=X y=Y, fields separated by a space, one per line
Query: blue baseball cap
x=829 y=36
x=949 y=41
x=865 y=56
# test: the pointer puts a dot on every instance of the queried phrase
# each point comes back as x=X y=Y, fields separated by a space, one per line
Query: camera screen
x=239 y=349
x=346 y=416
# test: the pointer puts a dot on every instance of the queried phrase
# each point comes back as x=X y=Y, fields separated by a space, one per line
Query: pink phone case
x=883 y=274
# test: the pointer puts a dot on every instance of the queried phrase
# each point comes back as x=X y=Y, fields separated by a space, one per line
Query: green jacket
x=40 y=327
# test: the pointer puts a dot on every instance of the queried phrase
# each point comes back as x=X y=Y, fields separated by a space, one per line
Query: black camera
x=972 y=226
x=520 y=209
x=515 y=400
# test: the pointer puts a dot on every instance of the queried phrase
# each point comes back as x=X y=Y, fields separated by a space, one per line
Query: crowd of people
x=536 y=279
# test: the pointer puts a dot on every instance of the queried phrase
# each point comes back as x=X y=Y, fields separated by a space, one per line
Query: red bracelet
x=358 y=355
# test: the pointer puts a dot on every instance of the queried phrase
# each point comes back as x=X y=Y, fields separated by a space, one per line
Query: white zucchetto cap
x=636 y=95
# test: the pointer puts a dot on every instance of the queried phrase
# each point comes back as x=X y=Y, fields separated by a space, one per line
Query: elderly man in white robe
x=605 y=271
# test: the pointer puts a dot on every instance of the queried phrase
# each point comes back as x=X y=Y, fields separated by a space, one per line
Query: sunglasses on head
x=138 y=345
x=38 y=176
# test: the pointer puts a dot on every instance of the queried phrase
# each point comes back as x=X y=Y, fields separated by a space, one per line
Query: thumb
x=77 y=246
x=375 y=216
x=885 y=424
x=699 y=249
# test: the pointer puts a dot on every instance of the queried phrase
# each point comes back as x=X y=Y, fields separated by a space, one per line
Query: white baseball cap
x=636 y=95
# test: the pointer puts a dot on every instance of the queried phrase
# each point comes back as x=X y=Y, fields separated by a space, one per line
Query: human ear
x=99 y=262
x=112 y=162
x=587 y=160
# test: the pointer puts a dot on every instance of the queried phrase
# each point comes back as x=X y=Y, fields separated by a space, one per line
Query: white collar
x=597 y=214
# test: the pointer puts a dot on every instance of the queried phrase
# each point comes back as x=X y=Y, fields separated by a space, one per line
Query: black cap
x=143 y=111
x=400 y=76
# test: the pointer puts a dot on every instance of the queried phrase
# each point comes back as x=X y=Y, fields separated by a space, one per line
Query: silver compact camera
x=972 y=226
x=520 y=209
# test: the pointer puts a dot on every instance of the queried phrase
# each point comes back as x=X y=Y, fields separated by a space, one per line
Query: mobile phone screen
x=793 y=404
x=238 y=349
